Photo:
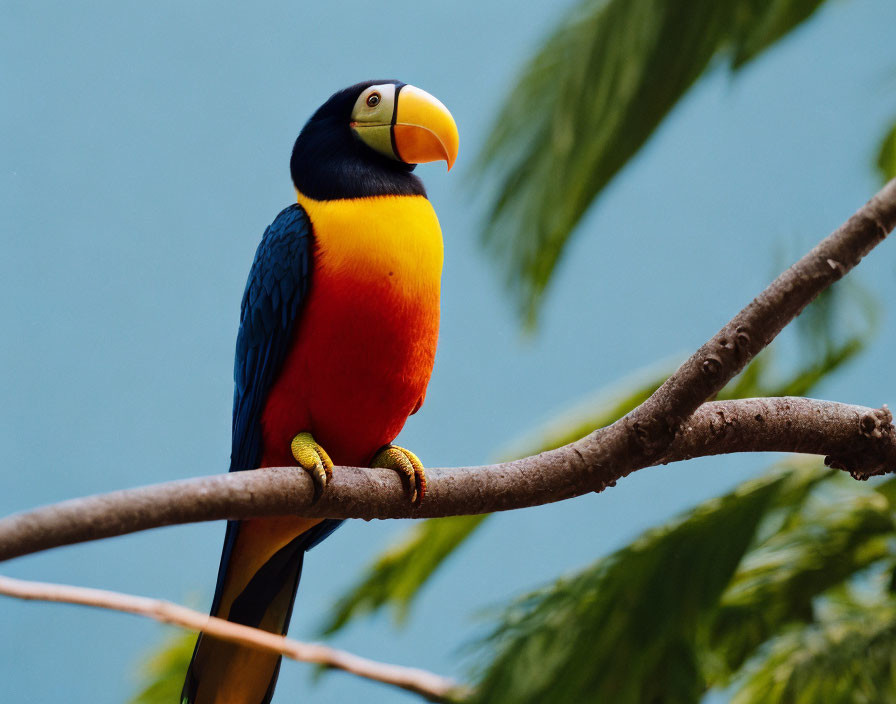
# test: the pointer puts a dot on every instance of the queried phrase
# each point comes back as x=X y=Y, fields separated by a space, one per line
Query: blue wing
x=275 y=293
x=272 y=304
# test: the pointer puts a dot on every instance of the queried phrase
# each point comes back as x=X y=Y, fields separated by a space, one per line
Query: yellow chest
x=389 y=241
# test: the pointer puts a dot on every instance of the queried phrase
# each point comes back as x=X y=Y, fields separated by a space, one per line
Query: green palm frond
x=399 y=573
x=886 y=155
x=163 y=673
x=588 y=101
x=627 y=629
x=778 y=582
x=841 y=660
x=651 y=623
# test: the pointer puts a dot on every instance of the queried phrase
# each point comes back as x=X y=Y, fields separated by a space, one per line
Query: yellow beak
x=424 y=129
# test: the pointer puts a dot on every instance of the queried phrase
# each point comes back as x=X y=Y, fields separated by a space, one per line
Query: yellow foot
x=408 y=465
x=313 y=459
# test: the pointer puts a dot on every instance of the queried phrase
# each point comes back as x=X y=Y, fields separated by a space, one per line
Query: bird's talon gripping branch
x=408 y=465
x=313 y=459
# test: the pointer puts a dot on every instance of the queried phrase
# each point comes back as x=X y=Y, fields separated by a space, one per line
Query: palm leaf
x=163 y=673
x=627 y=629
x=839 y=661
x=399 y=573
x=779 y=581
x=886 y=156
x=588 y=101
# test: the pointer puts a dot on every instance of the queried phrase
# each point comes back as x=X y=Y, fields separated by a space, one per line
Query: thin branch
x=643 y=438
x=646 y=432
x=431 y=686
x=860 y=439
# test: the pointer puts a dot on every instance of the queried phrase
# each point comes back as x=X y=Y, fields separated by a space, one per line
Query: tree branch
x=646 y=432
x=433 y=687
x=645 y=437
x=856 y=439
x=859 y=439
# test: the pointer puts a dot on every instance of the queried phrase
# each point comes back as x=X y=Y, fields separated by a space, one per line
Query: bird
x=338 y=330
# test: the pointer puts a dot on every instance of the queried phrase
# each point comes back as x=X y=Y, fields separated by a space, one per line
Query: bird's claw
x=313 y=459
x=408 y=465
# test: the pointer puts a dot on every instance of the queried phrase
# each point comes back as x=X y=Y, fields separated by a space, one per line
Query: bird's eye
x=373 y=100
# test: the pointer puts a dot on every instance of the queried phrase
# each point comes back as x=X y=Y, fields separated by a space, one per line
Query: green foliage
x=589 y=100
x=684 y=607
x=779 y=581
x=613 y=633
x=846 y=658
x=399 y=573
x=627 y=628
x=886 y=156
x=763 y=22
x=163 y=673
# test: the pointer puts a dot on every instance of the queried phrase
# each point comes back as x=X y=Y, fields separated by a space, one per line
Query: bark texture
x=859 y=439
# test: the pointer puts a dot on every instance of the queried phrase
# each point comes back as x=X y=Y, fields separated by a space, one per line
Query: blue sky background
x=145 y=148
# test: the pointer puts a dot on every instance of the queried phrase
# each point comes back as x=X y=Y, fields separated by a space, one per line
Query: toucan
x=338 y=330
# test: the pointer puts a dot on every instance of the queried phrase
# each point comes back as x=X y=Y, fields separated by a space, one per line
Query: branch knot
x=872 y=453
x=712 y=366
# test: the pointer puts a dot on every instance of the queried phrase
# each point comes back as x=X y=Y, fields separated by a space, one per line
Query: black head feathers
x=328 y=162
